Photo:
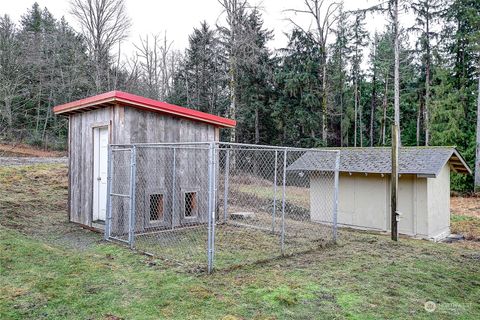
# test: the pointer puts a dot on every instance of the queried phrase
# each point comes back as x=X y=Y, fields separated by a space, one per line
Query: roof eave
x=120 y=97
x=229 y=124
x=459 y=165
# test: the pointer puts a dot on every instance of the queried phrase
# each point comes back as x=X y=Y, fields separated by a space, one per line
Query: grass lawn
x=51 y=269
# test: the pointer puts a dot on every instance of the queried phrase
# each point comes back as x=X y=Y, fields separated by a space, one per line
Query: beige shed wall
x=364 y=202
x=439 y=204
x=361 y=203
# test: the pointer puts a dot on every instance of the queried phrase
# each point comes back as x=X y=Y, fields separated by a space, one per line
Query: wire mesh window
x=221 y=204
x=190 y=204
x=156 y=207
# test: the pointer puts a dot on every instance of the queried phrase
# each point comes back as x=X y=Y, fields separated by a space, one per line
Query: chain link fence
x=220 y=204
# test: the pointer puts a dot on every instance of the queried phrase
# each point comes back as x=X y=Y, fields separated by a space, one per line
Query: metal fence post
x=211 y=213
x=225 y=191
x=335 y=196
x=214 y=198
x=108 y=220
x=274 y=191
x=131 y=222
x=174 y=178
x=283 y=200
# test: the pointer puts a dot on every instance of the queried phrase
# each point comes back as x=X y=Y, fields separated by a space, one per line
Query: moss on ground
x=50 y=269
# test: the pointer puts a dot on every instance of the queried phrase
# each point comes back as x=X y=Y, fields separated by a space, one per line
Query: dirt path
x=19 y=161
x=23 y=150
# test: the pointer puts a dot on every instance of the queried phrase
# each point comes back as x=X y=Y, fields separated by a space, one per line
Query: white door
x=100 y=162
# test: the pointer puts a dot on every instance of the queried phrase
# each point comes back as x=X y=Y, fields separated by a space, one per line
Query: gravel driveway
x=19 y=161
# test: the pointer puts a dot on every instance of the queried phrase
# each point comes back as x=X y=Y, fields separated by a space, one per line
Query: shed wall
x=364 y=202
x=439 y=204
x=131 y=125
x=81 y=162
x=361 y=202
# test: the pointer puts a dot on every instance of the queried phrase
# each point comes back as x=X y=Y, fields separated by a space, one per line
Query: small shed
x=364 y=188
x=117 y=117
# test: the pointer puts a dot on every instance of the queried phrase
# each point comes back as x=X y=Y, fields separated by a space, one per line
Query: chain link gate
x=121 y=177
x=222 y=204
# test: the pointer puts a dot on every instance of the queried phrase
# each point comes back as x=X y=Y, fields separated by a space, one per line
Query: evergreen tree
x=455 y=87
x=426 y=11
x=296 y=112
x=255 y=83
x=201 y=77
x=359 y=41
x=338 y=75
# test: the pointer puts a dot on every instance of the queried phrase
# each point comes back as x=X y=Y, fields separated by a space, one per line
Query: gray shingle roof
x=412 y=160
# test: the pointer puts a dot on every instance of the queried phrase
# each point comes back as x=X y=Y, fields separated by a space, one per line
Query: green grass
x=296 y=195
x=51 y=269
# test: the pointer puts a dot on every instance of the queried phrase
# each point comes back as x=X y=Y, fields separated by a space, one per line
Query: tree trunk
x=233 y=98
x=384 y=118
x=477 y=158
x=373 y=106
x=419 y=116
x=426 y=106
x=257 y=125
x=355 y=98
x=360 y=122
x=341 y=115
x=8 y=111
x=324 y=101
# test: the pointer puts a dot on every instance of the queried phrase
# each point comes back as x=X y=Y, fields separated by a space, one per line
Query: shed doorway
x=100 y=164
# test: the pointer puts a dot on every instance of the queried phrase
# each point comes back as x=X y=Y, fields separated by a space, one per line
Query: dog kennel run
x=201 y=205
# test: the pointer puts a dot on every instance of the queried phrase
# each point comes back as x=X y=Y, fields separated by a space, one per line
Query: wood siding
x=154 y=166
x=81 y=162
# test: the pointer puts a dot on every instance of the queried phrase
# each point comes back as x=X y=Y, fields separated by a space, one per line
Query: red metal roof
x=123 y=98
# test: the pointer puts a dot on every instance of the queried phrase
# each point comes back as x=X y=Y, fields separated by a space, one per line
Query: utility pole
x=395 y=129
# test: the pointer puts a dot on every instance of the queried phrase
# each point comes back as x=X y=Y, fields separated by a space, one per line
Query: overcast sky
x=178 y=17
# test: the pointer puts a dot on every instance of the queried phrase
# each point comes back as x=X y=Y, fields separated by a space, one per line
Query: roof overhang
x=126 y=99
x=458 y=163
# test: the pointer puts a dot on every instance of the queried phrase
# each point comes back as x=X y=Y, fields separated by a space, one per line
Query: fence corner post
x=211 y=207
x=283 y=201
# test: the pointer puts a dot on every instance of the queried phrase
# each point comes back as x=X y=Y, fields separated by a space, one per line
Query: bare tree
x=104 y=24
x=149 y=64
x=168 y=65
x=324 y=14
x=156 y=63
x=12 y=75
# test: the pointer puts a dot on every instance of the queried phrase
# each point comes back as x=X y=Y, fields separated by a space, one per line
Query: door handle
x=99 y=179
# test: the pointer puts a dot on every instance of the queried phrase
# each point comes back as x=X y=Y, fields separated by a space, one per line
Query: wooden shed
x=117 y=117
x=364 y=188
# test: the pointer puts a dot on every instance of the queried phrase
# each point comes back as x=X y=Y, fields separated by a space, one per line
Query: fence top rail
x=153 y=144
x=220 y=145
x=253 y=147
x=122 y=149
